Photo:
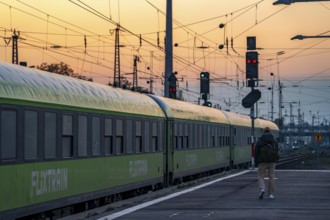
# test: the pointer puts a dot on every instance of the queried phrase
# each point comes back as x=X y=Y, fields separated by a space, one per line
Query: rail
x=292 y=159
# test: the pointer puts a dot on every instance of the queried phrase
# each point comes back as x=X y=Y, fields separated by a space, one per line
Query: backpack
x=268 y=153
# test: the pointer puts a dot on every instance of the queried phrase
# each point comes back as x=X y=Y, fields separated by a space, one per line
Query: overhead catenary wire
x=182 y=64
x=66 y=28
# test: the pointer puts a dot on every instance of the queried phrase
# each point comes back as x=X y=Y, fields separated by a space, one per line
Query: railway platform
x=300 y=194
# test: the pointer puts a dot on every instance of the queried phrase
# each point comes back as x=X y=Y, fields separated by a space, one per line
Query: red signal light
x=251 y=61
x=172 y=89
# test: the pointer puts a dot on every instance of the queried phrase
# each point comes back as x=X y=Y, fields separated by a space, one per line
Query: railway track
x=292 y=159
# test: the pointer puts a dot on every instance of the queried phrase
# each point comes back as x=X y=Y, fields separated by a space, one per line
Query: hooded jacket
x=265 y=138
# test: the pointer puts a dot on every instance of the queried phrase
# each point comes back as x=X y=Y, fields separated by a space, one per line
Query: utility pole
x=15 y=38
x=300 y=137
x=272 y=102
x=280 y=106
x=280 y=101
x=135 y=77
x=168 y=48
x=150 y=82
x=280 y=97
x=291 y=124
x=116 y=69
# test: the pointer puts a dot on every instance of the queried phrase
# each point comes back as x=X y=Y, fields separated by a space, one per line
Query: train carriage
x=67 y=145
x=240 y=131
x=199 y=141
x=66 y=141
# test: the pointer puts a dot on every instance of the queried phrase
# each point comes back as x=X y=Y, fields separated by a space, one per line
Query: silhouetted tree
x=62 y=69
x=59 y=68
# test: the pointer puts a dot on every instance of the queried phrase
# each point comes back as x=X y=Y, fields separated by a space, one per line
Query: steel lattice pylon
x=15 y=48
x=116 y=69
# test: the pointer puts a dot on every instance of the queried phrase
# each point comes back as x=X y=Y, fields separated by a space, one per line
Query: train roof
x=238 y=119
x=187 y=111
x=23 y=84
x=264 y=123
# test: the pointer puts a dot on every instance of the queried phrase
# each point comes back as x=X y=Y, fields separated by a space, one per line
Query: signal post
x=252 y=81
x=205 y=88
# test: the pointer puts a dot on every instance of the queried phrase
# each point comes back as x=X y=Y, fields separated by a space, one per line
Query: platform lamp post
x=288 y=2
x=272 y=101
x=301 y=37
x=280 y=97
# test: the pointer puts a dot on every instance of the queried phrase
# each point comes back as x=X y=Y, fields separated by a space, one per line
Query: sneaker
x=271 y=196
x=261 y=194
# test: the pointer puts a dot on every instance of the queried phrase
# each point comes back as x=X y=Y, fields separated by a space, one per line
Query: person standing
x=266 y=154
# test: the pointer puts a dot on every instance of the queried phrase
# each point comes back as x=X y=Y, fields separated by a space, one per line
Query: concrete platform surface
x=302 y=195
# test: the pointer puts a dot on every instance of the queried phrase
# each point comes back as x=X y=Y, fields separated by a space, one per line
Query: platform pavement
x=302 y=195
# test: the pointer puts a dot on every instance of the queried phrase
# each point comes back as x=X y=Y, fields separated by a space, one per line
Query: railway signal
x=251 y=43
x=252 y=65
x=205 y=82
x=172 y=86
x=208 y=104
x=251 y=98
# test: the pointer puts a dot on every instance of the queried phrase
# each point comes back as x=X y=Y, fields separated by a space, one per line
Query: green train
x=67 y=145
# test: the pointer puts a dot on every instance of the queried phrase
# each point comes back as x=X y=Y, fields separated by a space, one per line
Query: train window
x=200 y=136
x=50 y=135
x=129 y=135
x=186 y=141
x=146 y=130
x=8 y=134
x=180 y=130
x=191 y=135
x=67 y=136
x=108 y=144
x=180 y=142
x=119 y=145
x=138 y=144
x=119 y=141
x=209 y=136
x=119 y=127
x=213 y=141
x=160 y=135
x=96 y=136
x=196 y=137
x=154 y=143
x=176 y=144
x=82 y=135
x=138 y=137
x=30 y=135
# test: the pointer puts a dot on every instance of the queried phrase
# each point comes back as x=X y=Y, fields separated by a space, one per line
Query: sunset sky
x=304 y=68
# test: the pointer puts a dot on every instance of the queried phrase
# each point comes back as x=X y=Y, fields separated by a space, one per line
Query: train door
x=168 y=152
x=231 y=146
